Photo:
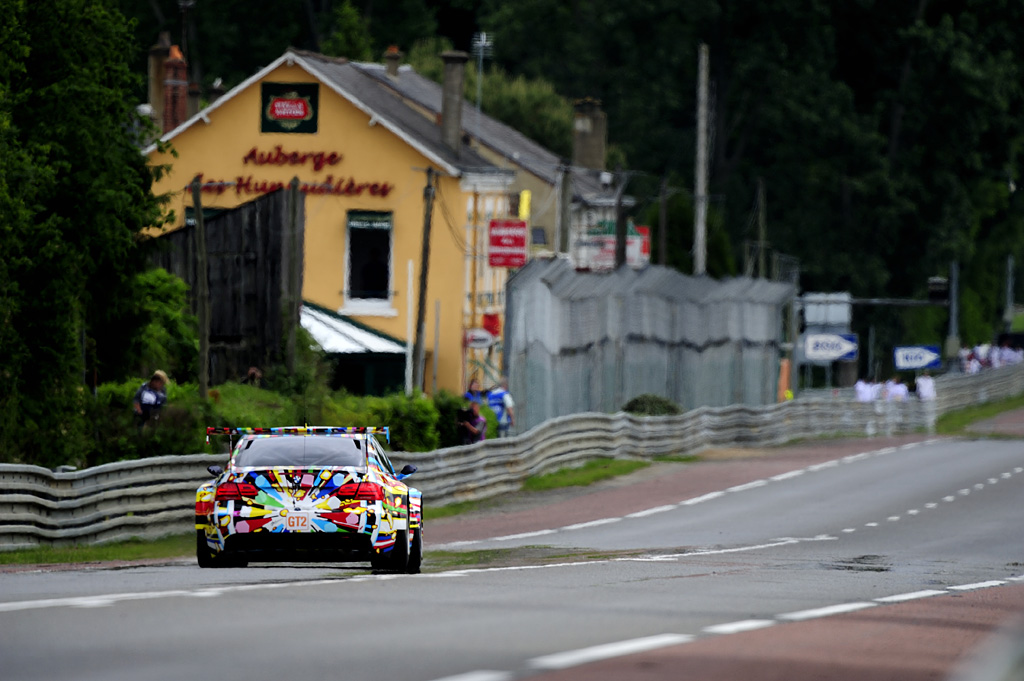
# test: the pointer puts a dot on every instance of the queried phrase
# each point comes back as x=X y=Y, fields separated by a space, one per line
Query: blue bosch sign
x=909 y=357
x=830 y=347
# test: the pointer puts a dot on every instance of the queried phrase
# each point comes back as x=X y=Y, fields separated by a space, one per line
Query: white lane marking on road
x=702 y=498
x=738 y=627
x=979 y=486
x=930 y=504
x=885 y=450
x=913 y=511
x=1018 y=578
x=893 y=518
x=801 y=615
x=787 y=476
x=480 y=675
x=823 y=466
x=910 y=445
x=964 y=492
x=977 y=585
x=993 y=481
x=849 y=529
x=653 y=511
x=949 y=498
x=573 y=658
x=913 y=595
x=464 y=542
x=746 y=486
x=870 y=524
x=591 y=523
x=1018 y=470
x=1006 y=476
x=856 y=457
x=524 y=535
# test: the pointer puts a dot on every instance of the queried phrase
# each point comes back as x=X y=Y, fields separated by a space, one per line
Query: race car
x=303 y=493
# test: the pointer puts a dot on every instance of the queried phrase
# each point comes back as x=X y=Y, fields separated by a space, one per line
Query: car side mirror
x=407 y=470
x=215 y=470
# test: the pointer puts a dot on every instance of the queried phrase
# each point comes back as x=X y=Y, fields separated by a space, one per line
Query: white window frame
x=369 y=307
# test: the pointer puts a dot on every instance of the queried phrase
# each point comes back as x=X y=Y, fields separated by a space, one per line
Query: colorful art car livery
x=309 y=493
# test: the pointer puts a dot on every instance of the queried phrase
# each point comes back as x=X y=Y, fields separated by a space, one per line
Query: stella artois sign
x=289 y=107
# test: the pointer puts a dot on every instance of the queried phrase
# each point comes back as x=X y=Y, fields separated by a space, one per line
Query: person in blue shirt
x=473 y=393
x=150 y=397
x=503 y=406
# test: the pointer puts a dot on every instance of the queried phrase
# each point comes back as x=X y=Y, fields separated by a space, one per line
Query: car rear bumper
x=299 y=546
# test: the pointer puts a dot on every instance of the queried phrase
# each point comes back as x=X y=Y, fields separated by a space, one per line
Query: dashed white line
x=849 y=529
x=979 y=486
x=993 y=481
x=480 y=675
x=702 y=498
x=1006 y=476
x=653 y=511
x=786 y=476
x=801 y=615
x=930 y=505
x=885 y=450
x=949 y=498
x=522 y=535
x=870 y=524
x=913 y=595
x=823 y=466
x=913 y=511
x=738 y=627
x=964 y=492
x=1018 y=470
x=893 y=518
x=574 y=658
x=591 y=523
x=746 y=486
x=977 y=585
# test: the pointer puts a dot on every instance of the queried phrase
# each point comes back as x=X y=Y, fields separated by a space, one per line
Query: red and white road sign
x=507 y=243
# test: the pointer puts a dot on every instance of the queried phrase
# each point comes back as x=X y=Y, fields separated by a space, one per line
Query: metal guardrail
x=155 y=497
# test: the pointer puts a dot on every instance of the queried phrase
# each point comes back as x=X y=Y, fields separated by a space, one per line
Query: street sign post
x=830 y=347
x=909 y=357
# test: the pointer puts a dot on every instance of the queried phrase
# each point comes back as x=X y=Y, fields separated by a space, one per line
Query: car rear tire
x=415 y=553
x=204 y=556
x=397 y=558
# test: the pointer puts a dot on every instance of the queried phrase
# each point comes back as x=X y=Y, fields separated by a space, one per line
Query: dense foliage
x=651 y=405
x=74 y=194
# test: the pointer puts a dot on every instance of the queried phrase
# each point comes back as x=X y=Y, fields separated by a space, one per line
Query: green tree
x=349 y=37
x=79 y=190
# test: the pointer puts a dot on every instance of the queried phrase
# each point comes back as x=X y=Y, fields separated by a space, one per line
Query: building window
x=368 y=277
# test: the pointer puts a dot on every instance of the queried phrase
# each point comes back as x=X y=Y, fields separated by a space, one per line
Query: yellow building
x=361 y=155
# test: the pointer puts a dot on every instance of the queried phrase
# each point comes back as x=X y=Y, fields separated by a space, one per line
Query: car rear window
x=309 y=450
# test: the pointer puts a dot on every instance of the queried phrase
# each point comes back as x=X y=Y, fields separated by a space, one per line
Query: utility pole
x=202 y=289
x=953 y=337
x=564 y=208
x=620 y=221
x=700 y=217
x=663 y=222
x=762 y=228
x=291 y=313
x=1008 y=313
x=421 y=310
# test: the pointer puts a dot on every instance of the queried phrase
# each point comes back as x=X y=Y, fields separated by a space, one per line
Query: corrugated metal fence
x=584 y=341
x=155 y=497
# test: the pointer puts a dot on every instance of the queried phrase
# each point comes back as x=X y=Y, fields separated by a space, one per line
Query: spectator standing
x=473 y=392
x=501 y=403
x=864 y=390
x=149 y=398
x=925 y=387
x=473 y=426
x=896 y=390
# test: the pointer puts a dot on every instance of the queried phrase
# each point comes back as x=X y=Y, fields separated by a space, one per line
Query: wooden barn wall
x=252 y=301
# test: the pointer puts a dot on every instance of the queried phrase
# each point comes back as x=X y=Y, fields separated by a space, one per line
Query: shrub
x=651 y=405
x=448 y=405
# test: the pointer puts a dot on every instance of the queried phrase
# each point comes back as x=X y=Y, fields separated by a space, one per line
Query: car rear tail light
x=236 y=490
x=365 y=491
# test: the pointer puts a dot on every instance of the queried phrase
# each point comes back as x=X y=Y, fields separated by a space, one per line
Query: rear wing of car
x=343 y=431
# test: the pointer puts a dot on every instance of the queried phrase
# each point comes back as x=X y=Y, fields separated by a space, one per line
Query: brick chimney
x=590 y=134
x=175 y=90
x=392 y=60
x=451 y=98
x=157 y=56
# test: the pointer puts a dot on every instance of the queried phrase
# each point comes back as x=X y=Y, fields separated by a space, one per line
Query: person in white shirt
x=896 y=390
x=863 y=390
x=925 y=386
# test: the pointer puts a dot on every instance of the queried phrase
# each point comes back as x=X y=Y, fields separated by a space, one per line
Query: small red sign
x=289 y=109
x=507 y=243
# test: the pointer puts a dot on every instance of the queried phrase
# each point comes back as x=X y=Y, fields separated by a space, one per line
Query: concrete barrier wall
x=155 y=497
